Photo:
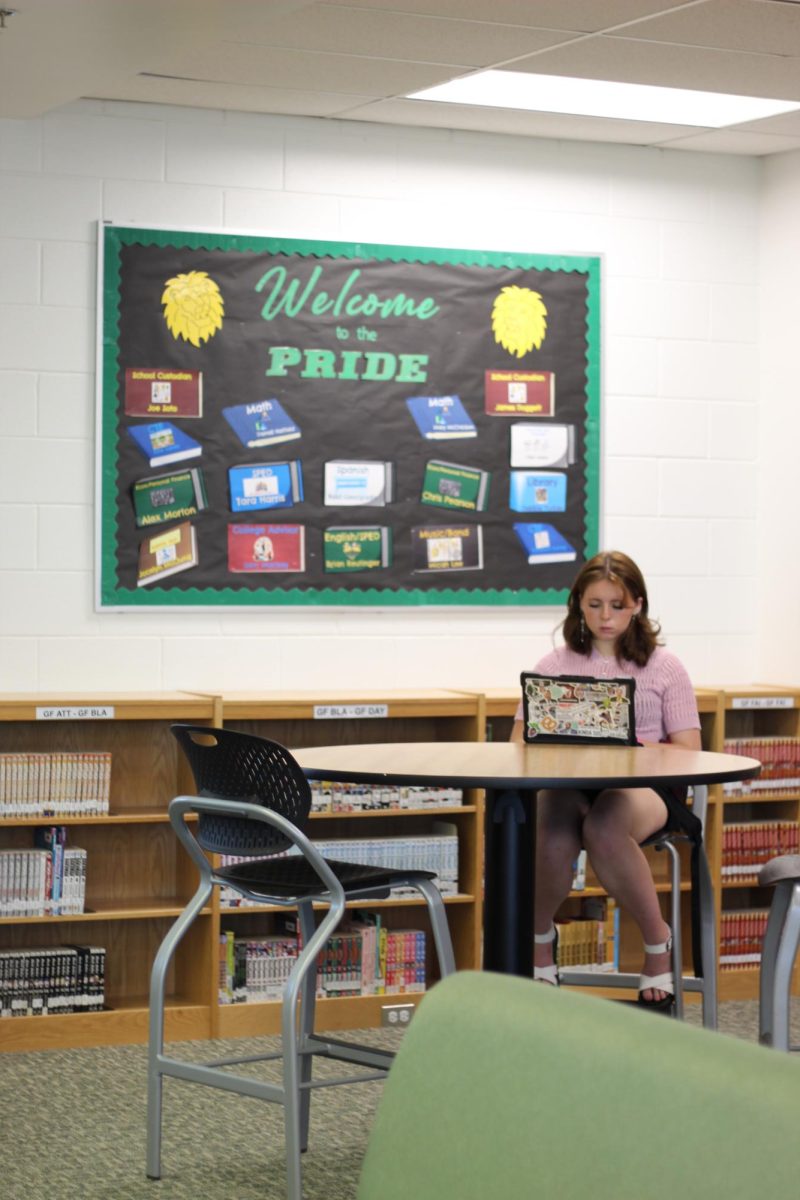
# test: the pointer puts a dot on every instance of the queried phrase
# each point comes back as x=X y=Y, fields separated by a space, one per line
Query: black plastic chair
x=779 y=950
x=254 y=800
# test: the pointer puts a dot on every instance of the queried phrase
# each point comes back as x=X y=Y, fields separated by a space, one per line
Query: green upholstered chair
x=503 y=1089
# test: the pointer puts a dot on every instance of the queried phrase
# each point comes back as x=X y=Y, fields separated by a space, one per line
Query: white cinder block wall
x=679 y=234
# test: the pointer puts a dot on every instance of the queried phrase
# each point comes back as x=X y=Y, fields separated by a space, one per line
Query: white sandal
x=548 y=974
x=663 y=983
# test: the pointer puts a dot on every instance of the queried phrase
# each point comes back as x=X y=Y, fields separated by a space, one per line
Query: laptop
x=573 y=708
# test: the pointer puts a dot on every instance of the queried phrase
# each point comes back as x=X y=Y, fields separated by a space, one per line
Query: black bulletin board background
x=342 y=418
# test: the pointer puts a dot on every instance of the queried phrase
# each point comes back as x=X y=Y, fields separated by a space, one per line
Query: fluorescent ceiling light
x=598 y=98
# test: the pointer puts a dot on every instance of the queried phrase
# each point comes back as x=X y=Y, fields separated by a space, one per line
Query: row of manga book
x=55 y=785
x=48 y=881
x=780 y=765
x=740 y=936
x=362 y=958
x=359 y=797
x=436 y=852
x=52 y=980
x=747 y=846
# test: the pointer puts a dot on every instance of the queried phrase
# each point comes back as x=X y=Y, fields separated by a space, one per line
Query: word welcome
x=290 y=295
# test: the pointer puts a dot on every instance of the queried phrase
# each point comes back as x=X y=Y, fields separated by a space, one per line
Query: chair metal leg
x=308 y=995
x=782 y=958
x=781 y=900
x=675 y=925
x=708 y=941
x=158 y=978
x=306 y=965
x=439 y=926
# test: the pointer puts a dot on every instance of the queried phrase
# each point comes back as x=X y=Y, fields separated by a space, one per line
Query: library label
x=82 y=713
x=324 y=712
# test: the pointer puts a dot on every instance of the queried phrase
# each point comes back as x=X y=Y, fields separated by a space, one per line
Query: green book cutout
x=169 y=497
x=450 y=485
x=357 y=548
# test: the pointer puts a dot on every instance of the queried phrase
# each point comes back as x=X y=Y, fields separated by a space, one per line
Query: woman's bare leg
x=618 y=821
x=560 y=815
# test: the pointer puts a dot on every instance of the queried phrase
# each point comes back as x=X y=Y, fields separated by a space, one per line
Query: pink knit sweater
x=664 y=699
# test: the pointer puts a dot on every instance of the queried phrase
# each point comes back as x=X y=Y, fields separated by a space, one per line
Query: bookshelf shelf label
x=762 y=702
x=88 y=713
x=323 y=712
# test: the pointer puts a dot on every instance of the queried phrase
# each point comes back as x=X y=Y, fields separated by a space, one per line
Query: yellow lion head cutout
x=519 y=320
x=193 y=307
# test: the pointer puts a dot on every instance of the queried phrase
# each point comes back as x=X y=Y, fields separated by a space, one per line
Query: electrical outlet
x=395 y=1015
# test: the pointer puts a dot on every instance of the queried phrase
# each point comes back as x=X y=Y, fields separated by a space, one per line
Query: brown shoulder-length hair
x=640 y=639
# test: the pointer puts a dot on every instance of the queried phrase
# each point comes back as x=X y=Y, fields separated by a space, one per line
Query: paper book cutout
x=348 y=548
x=537 y=491
x=167 y=553
x=520 y=393
x=257 y=486
x=352 y=482
x=534 y=445
x=263 y=423
x=441 y=417
x=544 y=544
x=171 y=497
x=444 y=548
x=163 y=392
x=569 y=708
x=161 y=443
x=451 y=485
x=266 y=549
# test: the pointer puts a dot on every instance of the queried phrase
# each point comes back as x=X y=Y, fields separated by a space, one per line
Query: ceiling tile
x=406 y=36
x=755 y=26
x=504 y=120
x=671 y=66
x=730 y=141
x=585 y=15
x=236 y=97
x=306 y=70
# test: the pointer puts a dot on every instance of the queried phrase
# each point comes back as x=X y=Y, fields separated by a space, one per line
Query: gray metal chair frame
x=779 y=950
x=299 y=1041
x=705 y=984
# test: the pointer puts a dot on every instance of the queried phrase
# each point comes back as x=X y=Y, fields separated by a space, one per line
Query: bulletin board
x=294 y=423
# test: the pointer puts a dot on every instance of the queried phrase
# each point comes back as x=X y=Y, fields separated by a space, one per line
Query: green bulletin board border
x=112 y=596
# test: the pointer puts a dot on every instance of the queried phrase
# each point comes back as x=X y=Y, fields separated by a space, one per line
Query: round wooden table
x=512 y=773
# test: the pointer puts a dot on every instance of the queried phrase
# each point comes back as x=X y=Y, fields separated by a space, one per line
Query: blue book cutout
x=441 y=417
x=544 y=544
x=162 y=442
x=537 y=491
x=263 y=423
x=265 y=485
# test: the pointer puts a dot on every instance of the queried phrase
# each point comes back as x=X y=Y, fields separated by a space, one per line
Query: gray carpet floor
x=73 y=1126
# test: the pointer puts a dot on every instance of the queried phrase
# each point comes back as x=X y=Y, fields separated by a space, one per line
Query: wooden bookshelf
x=296 y=721
x=138 y=877
x=753 y=711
